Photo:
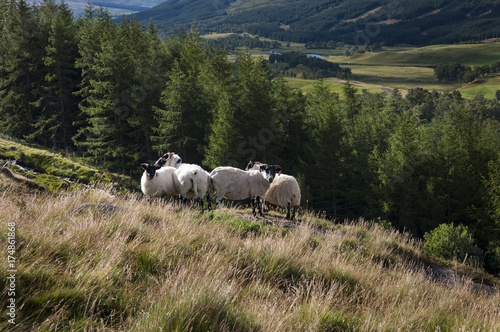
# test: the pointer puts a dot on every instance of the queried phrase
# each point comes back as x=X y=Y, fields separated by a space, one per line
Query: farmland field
x=405 y=67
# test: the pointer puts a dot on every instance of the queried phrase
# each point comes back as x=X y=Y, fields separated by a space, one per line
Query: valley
x=401 y=67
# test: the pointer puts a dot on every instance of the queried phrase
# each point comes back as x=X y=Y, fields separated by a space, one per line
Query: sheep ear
x=278 y=168
x=144 y=165
x=263 y=168
x=165 y=156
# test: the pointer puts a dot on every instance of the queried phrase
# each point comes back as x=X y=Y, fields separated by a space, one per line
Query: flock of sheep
x=169 y=176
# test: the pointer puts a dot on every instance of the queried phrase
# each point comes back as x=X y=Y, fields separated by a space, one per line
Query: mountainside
x=115 y=7
x=350 y=21
x=93 y=259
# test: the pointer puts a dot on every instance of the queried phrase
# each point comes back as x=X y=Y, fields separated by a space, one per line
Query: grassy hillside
x=115 y=7
x=52 y=171
x=468 y=54
x=149 y=266
x=353 y=22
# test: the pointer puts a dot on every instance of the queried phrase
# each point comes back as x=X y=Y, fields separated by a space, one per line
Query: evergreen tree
x=402 y=169
x=254 y=108
x=327 y=148
x=148 y=56
x=58 y=104
x=182 y=119
x=224 y=137
x=107 y=104
x=289 y=127
x=351 y=102
x=21 y=67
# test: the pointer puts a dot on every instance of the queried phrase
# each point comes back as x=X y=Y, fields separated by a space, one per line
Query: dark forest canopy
x=119 y=95
x=354 y=22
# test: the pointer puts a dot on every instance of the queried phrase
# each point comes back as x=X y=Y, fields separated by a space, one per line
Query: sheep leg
x=293 y=214
x=259 y=206
x=201 y=204
x=288 y=211
x=253 y=206
x=209 y=203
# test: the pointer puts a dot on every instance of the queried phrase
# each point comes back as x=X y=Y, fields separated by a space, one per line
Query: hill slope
x=115 y=7
x=350 y=21
x=147 y=266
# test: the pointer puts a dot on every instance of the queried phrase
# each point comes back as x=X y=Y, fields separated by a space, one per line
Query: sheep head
x=150 y=169
x=270 y=171
x=253 y=165
x=172 y=159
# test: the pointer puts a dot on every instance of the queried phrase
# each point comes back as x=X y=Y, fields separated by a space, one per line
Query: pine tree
x=254 y=112
x=182 y=119
x=224 y=136
x=148 y=55
x=108 y=78
x=57 y=102
x=327 y=147
x=21 y=67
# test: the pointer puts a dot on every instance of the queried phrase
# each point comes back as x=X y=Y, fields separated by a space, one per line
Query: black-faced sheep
x=284 y=191
x=159 y=181
x=236 y=184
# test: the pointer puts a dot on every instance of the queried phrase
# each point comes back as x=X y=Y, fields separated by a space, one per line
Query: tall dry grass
x=152 y=266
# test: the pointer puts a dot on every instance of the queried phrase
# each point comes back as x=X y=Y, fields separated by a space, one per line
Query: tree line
x=320 y=68
x=458 y=72
x=233 y=42
x=119 y=95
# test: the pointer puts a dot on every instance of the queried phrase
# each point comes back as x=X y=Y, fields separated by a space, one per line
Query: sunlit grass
x=153 y=266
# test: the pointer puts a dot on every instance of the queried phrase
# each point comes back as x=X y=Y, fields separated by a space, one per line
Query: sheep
x=236 y=184
x=284 y=191
x=193 y=179
x=159 y=181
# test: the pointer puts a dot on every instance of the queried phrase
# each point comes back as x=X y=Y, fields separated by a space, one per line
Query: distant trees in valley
x=234 y=41
x=320 y=68
x=458 y=72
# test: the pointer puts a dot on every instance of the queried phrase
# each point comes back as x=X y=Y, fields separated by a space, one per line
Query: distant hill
x=115 y=7
x=350 y=21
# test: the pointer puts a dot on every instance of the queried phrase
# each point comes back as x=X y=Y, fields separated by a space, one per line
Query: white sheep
x=284 y=191
x=236 y=184
x=159 y=181
x=194 y=180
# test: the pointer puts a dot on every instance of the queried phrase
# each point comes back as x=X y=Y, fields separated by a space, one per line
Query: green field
x=469 y=54
x=307 y=86
x=409 y=68
x=403 y=68
x=487 y=88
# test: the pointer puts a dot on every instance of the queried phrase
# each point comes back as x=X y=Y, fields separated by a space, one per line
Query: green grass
x=58 y=171
x=487 y=88
x=307 y=86
x=469 y=54
x=403 y=78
